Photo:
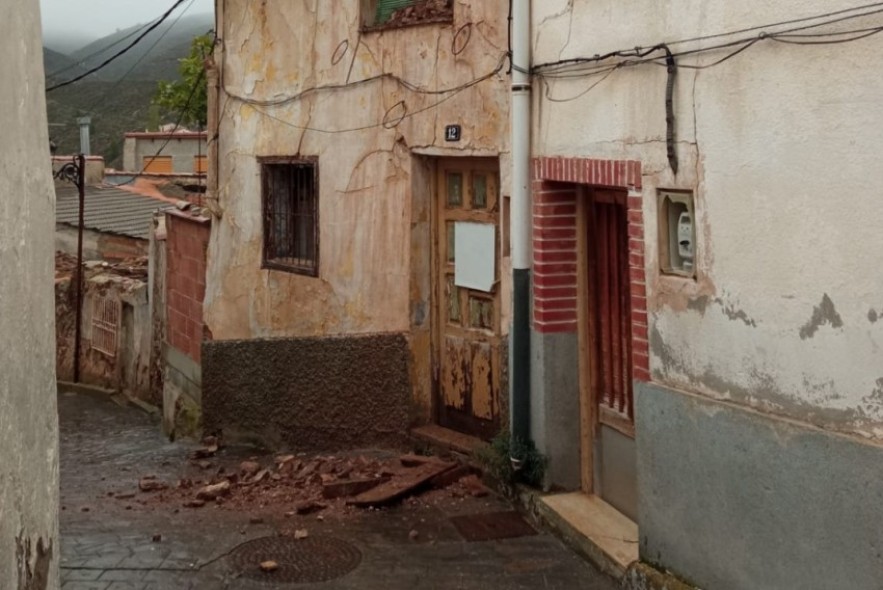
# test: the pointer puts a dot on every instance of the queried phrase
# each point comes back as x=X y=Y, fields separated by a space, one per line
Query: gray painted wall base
x=733 y=499
x=182 y=394
x=554 y=401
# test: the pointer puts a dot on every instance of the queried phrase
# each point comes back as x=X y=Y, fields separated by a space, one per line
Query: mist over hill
x=117 y=98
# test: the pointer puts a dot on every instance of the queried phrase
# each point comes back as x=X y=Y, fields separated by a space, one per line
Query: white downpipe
x=520 y=230
x=521 y=121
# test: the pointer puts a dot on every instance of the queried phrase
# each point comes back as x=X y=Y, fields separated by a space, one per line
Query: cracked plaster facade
x=338 y=99
x=778 y=147
x=28 y=416
x=757 y=439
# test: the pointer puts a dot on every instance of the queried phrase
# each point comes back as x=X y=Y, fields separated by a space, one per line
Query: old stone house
x=354 y=148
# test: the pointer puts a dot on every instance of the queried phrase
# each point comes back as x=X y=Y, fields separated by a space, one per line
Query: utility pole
x=75 y=173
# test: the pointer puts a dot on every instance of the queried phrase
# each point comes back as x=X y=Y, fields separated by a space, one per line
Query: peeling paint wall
x=780 y=146
x=375 y=137
x=28 y=414
x=277 y=50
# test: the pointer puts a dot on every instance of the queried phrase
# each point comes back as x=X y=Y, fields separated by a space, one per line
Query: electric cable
x=98 y=52
x=386 y=121
x=111 y=93
x=642 y=52
x=171 y=134
x=120 y=53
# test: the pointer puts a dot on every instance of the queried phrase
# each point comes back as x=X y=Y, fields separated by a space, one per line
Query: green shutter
x=385 y=8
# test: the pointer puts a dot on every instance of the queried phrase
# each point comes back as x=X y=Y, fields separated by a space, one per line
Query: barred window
x=290 y=195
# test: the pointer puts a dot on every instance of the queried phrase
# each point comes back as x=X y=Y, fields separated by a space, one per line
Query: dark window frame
x=269 y=221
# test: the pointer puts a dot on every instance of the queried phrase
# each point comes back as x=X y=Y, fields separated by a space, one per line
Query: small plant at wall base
x=497 y=460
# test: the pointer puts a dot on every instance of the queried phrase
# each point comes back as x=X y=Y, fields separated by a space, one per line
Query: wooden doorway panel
x=605 y=337
x=467 y=326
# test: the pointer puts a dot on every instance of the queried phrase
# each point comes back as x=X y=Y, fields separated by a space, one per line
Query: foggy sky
x=97 y=18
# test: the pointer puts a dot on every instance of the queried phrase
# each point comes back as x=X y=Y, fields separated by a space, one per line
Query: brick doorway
x=588 y=231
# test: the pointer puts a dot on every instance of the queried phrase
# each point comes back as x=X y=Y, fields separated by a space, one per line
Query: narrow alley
x=116 y=537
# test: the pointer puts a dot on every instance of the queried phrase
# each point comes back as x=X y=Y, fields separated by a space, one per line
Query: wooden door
x=610 y=334
x=467 y=326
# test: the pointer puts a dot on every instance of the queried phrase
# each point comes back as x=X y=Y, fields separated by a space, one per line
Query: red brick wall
x=556 y=183
x=187 y=243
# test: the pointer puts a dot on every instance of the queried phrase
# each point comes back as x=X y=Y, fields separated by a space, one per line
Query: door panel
x=611 y=314
x=468 y=321
x=609 y=349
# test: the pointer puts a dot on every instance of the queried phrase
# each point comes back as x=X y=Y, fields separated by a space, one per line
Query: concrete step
x=592 y=527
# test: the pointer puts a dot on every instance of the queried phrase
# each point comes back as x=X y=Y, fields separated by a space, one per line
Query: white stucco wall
x=277 y=50
x=782 y=146
x=29 y=545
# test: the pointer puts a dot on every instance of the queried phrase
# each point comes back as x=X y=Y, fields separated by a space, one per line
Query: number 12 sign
x=453 y=133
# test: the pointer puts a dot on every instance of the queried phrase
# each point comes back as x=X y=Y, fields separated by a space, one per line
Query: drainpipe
x=520 y=230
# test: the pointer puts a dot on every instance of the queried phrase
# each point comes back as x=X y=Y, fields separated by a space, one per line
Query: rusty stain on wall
x=824 y=313
x=33 y=562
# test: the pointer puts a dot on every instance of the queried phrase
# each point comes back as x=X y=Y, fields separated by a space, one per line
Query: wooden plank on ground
x=402 y=485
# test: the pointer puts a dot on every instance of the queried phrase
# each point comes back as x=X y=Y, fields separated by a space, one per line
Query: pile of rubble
x=307 y=485
x=136 y=268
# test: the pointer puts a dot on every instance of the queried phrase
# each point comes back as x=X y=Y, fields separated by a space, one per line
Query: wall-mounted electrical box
x=677 y=233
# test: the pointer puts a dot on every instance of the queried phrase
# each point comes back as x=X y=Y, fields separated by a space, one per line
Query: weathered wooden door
x=467 y=326
x=610 y=349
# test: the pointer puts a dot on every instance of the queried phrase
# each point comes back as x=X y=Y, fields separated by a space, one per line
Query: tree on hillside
x=187 y=98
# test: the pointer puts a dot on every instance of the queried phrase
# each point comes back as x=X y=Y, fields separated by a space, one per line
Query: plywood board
x=475 y=247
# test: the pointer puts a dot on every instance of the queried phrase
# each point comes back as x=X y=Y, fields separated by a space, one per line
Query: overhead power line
x=123 y=51
x=766 y=32
x=80 y=62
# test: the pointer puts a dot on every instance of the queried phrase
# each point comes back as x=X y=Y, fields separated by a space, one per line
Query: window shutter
x=385 y=8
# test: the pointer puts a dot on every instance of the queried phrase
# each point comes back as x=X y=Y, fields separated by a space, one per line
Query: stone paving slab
x=108 y=544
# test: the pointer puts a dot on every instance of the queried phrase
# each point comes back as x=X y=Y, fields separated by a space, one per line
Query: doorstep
x=447 y=439
x=592 y=527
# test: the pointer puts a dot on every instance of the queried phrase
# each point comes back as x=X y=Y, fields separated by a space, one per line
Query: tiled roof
x=110 y=210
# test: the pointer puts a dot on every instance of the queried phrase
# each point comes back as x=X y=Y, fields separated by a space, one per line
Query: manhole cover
x=300 y=561
x=492 y=526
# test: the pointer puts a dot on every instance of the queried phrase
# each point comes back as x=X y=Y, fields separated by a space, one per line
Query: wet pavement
x=117 y=538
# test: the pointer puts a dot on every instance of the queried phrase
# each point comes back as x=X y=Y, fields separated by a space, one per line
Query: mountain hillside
x=154 y=58
x=118 y=98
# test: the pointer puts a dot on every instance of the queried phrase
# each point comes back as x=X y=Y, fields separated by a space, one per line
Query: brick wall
x=556 y=188
x=187 y=243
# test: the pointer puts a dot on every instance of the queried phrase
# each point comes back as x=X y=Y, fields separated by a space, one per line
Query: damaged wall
x=28 y=413
x=777 y=145
x=128 y=370
x=303 y=79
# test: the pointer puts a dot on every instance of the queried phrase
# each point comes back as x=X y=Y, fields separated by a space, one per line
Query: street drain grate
x=300 y=561
x=492 y=526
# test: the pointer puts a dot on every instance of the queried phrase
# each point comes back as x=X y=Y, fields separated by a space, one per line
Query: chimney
x=84 y=123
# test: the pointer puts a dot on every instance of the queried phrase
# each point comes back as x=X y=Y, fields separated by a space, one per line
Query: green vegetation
x=188 y=96
x=119 y=98
x=497 y=460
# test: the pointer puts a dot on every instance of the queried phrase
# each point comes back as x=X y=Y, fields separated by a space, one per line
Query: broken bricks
x=213 y=492
x=149 y=483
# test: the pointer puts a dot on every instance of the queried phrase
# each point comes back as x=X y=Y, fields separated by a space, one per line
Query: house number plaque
x=453 y=133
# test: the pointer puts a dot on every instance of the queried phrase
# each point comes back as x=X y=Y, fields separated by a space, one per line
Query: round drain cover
x=310 y=560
